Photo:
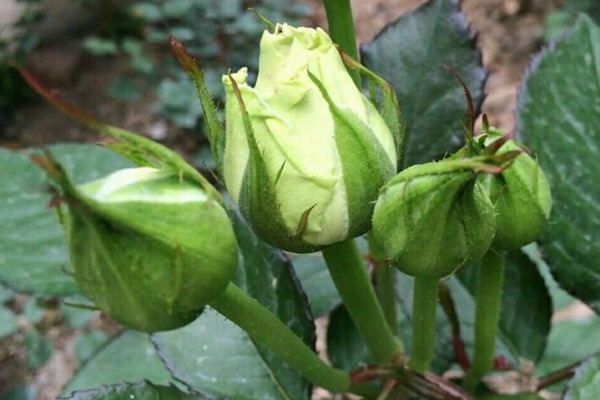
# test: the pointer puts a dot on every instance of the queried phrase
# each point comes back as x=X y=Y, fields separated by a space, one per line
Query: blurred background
x=111 y=58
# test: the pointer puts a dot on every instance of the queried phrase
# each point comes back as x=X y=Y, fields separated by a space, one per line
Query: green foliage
x=558 y=113
x=559 y=110
x=424 y=41
x=563 y=18
x=141 y=391
x=130 y=357
x=222 y=34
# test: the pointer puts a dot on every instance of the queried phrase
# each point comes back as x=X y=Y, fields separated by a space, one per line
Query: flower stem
x=425 y=300
x=385 y=288
x=347 y=270
x=487 y=313
x=262 y=326
x=341 y=30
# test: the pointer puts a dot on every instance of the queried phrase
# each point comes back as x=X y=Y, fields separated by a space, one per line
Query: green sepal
x=433 y=218
x=365 y=164
x=258 y=199
x=138 y=149
x=140 y=298
x=266 y=22
x=522 y=199
x=389 y=109
x=212 y=123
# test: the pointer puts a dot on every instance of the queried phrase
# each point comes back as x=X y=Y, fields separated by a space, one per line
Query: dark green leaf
x=39 y=349
x=558 y=116
x=345 y=346
x=526 y=306
x=9 y=323
x=410 y=54
x=33 y=256
x=215 y=357
x=316 y=282
x=585 y=384
x=138 y=391
x=129 y=357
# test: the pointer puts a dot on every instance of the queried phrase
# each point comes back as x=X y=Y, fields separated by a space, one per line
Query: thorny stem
x=487 y=314
x=352 y=281
x=341 y=30
x=425 y=299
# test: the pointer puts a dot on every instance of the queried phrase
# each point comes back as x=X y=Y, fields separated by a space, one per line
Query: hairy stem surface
x=487 y=314
x=261 y=325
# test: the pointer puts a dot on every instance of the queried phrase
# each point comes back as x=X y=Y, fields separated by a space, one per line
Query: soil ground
x=509 y=33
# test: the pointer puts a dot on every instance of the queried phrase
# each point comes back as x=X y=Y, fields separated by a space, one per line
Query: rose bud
x=433 y=218
x=520 y=194
x=148 y=247
x=305 y=151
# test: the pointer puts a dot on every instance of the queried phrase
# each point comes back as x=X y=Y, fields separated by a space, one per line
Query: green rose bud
x=434 y=218
x=148 y=248
x=306 y=162
x=520 y=194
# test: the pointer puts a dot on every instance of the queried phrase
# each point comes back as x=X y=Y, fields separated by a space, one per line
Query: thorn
x=470 y=106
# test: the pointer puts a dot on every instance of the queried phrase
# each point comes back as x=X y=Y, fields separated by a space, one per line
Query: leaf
x=33 y=254
x=213 y=356
x=526 y=307
x=33 y=310
x=316 y=282
x=9 y=323
x=410 y=54
x=39 y=349
x=138 y=391
x=569 y=342
x=88 y=343
x=5 y=294
x=345 y=346
x=128 y=357
x=585 y=385
x=558 y=116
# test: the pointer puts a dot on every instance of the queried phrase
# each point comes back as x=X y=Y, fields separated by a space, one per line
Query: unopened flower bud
x=434 y=218
x=148 y=247
x=521 y=197
x=305 y=164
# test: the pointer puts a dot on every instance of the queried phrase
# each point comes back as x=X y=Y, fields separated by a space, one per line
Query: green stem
x=425 y=300
x=341 y=30
x=386 y=291
x=262 y=326
x=487 y=313
x=347 y=270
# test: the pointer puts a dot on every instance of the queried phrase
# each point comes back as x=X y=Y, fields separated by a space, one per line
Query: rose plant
x=321 y=177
